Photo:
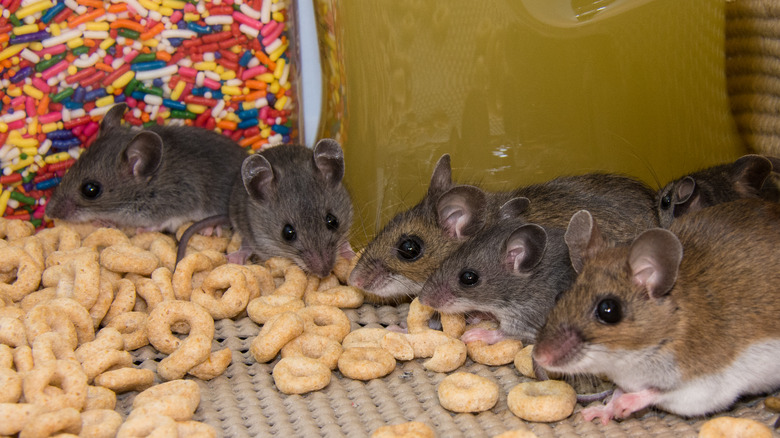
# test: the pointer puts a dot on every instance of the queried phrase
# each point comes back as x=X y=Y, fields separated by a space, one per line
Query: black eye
x=288 y=233
x=410 y=248
x=91 y=189
x=468 y=278
x=666 y=201
x=331 y=222
x=608 y=311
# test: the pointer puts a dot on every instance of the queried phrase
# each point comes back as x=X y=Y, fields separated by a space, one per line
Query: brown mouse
x=683 y=319
x=153 y=179
x=415 y=242
x=750 y=176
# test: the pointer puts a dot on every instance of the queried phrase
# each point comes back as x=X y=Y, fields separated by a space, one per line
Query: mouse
x=289 y=201
x=750 y=176
x=683 y=319
x=154 y=179
x=401 y=257
x=511 y=271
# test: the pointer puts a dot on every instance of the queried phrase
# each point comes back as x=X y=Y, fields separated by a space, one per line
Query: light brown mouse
x=684 y=319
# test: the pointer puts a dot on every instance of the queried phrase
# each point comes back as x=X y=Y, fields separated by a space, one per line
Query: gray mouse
x=511 y=270
x=289 y=202
x=153 y=179
x=415 y=242
x=750 y=176
x=683 y=319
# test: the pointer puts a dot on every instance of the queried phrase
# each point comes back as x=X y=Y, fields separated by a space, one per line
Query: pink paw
x=479 y=334
x=239 y=257
x=621 y=405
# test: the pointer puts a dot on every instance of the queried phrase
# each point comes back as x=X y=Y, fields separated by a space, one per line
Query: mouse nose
x=556 y=347
x=60 y=207
x=320 y=265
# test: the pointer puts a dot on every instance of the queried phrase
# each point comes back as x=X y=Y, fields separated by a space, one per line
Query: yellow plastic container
x=520 y=91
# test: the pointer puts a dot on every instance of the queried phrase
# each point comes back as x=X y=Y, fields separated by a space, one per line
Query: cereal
x=102 y=238
x=61 y=373
x=176 y=399
x=125 y=379
x=345 y=297
x=59 y=238
x=14 y=416
x=152 y=425
x=545 y=401
x=453 y=325
x=326 y=350
x=10 y=385
x=230 y=278
x=124 y=300
x=295 y=282
x=447 y=357
x=411 y=429
x=67 y=420
x=524 y=362
x=26 y=274
x=516 y=434
x=277 y=332
x=772 y=403
x=49 y=346
x=129 y=258
x=723 y=427
x=366 y=363
x=364 y=337
x=132 y=326
x=398 y=345
x=213 y=366
x=261 y=309
x=500 y=353
x=195 y=429
x=466 y=392
x=100 y=423
x=182 y=355
x=75 y=327
x=187 y=267
x=12 y=332
x=418 y=316
x=326 y=321
x=299 y=375
x=98 y=398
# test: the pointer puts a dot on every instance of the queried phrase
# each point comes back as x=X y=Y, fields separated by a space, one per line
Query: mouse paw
x=621 y=405
x=489 y=337
x=239 y=257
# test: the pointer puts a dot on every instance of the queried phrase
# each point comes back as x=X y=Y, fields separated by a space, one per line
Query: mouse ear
x=329 y=159
x=441 y=179
x=461 y=211
x=143 y=155
x=686 y=197
x=258 y=177
x=513 y=208
x=113 y=118
x=749 y=173
x=655 y=260
x=583 y=238
x=524 y=248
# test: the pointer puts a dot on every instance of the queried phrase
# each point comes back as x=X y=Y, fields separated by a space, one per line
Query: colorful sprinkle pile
x=222 y=65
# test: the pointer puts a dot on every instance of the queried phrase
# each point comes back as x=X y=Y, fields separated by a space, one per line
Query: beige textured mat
x=245 y=403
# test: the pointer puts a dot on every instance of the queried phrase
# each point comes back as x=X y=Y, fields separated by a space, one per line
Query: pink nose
x=553 y=349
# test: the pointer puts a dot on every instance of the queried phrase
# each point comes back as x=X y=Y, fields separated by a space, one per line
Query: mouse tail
x=211 y=221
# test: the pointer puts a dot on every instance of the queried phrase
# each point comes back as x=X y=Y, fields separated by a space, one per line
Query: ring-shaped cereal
x=418 y=316
x=168 y=313
x=545 y=401
x=208 y=239
x=103 y=238
x=263 y=308
x=13 y=229
x=10 y=385
x=213 y=366
x=187 y=267
x=734 y=428
x=224 y=292
x=275 y=334
x=23 y=359
x=344 y=297
x=99 y=398
x=326 y=283
x=62 y=315
x=426 y=342
x=411 y=429
x=107 y=359
x=342 y=268
x=364 y=337
x=125 y=379
x=64 y=374
x=33 y=247
x=299 y=375
x=295 y=281
x=447 y=357
x=133 y=327
x=398 y=345
x=453 y=324
x=325 y=321
x=500 y=353
x=366 y=363
x=124 y=300
x=187 y=389
x=12 y=332
x=27 y=275
x=141 y=426
x=467 y=392
x=524 y=362
x=159 y=244
x=147 y=290
x=326 y=350
x=195 y=349
x=277 y=265
x=100 y=423
x=49 y=346
x=263 y=279
x=14 y=416
x=59 y=238
x=61 y=421
x=129 y=258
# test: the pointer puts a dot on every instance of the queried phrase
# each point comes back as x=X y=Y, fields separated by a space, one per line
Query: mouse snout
x=555 y=348
x=60 y=207
x=438 y=296
x=318 y=264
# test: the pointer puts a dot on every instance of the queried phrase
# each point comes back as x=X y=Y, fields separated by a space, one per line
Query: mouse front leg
x=489 y=337
x=239 y=257
x=621 y=405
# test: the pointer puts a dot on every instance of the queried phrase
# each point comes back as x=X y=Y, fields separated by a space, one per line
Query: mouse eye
x=468 y=278
x=331 y=222
x=288 y=233
x=410 y=248
x=91 y=189
x=666 y=201
x=608 y=311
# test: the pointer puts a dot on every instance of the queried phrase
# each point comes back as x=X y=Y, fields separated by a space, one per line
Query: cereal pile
x=223 y=65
